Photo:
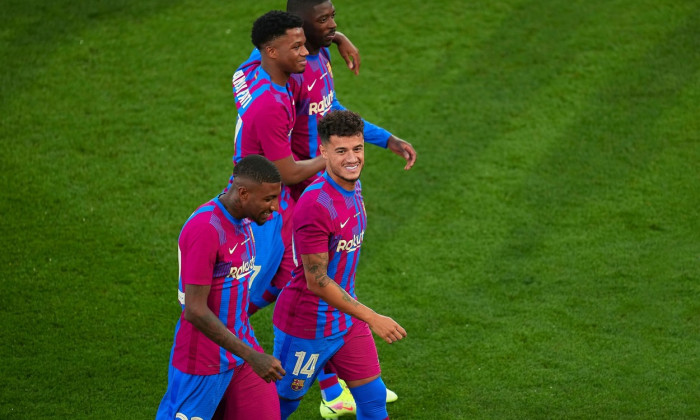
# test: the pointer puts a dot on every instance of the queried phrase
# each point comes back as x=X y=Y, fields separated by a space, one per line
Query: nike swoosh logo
x=357 y=214
x=311 y=86
x=342 y=225
x=323 y=75
x=245 y=241
x=231 y=250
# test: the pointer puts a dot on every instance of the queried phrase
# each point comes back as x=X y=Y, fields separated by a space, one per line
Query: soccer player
x=315 y=96
x=216 y=360
x=317 y=318
x=266 y=116
x=314 y=89
x=311 y=102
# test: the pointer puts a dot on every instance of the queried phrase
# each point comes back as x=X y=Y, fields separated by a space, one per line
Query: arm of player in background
x=380 y=137
x=273 y=130
x=348 y=51
x=295 y=171
x=403 y=149
x=197 y=312
x=318 y=282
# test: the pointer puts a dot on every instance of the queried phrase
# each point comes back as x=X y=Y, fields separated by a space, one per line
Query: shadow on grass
x=33 y=29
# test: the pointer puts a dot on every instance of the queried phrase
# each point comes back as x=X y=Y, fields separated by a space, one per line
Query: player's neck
x=342 y=183
x=277 y=76
x=313 y=49
x=231 y=205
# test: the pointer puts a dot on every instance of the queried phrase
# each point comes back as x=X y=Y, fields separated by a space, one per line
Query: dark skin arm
x=403 y=149
x=198 y=313
x=318 y=282
x=296 y=171
x=348 y=51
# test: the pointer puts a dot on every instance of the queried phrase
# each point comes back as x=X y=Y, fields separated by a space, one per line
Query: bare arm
x=296 y=171
x=318 y=282
x=403 y=149
x=348 y=51
x=198 y=313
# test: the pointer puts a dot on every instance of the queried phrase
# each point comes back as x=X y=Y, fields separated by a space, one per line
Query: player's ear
x=323 y=150
x=243 y=193
x=271 y=51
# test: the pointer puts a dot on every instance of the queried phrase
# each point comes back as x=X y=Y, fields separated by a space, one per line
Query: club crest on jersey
x=297 y=384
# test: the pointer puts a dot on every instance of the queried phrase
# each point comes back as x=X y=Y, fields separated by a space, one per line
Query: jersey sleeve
x=312 y=229
x=272 y=131
x=376 y=135
x=198 y=245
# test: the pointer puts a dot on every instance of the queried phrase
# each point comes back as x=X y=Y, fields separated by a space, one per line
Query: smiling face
x=345 y=158
x=258 y=201
x=289 y=51
x=319 y=25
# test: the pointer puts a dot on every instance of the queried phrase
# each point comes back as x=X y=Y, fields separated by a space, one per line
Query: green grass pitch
x=543 y=254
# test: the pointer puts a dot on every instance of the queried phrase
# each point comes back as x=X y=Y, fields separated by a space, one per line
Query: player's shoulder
x=313 y=194
x=268 y=100
x=200 y=221
x=314 y=207
x=253 y=61
x=202 y=211
x=310 y=193
x=261 y=87
x=211 y=222
x=325 y=52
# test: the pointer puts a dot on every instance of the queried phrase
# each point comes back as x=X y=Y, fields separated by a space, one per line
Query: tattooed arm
x=318 y=282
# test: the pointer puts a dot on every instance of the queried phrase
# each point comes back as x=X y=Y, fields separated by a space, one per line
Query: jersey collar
x=220 y=205
x=337 y=186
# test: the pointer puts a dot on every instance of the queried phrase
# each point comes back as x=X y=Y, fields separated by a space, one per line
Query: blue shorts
x=302 y=359
x=237 y=394
x=192 y=396
x=269 y=249
x=351 y=354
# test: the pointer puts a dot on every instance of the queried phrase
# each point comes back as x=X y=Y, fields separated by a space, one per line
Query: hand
x=266 y=366
x=387 y=328
x=348 y=51
x=403 y=149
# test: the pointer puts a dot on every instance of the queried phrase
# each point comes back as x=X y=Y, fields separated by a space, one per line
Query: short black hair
x=256 y=168
x=343 y=123
x=271 y=25
x=299 y=6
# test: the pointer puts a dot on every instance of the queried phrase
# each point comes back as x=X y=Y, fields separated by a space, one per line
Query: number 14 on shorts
x=307 y=368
